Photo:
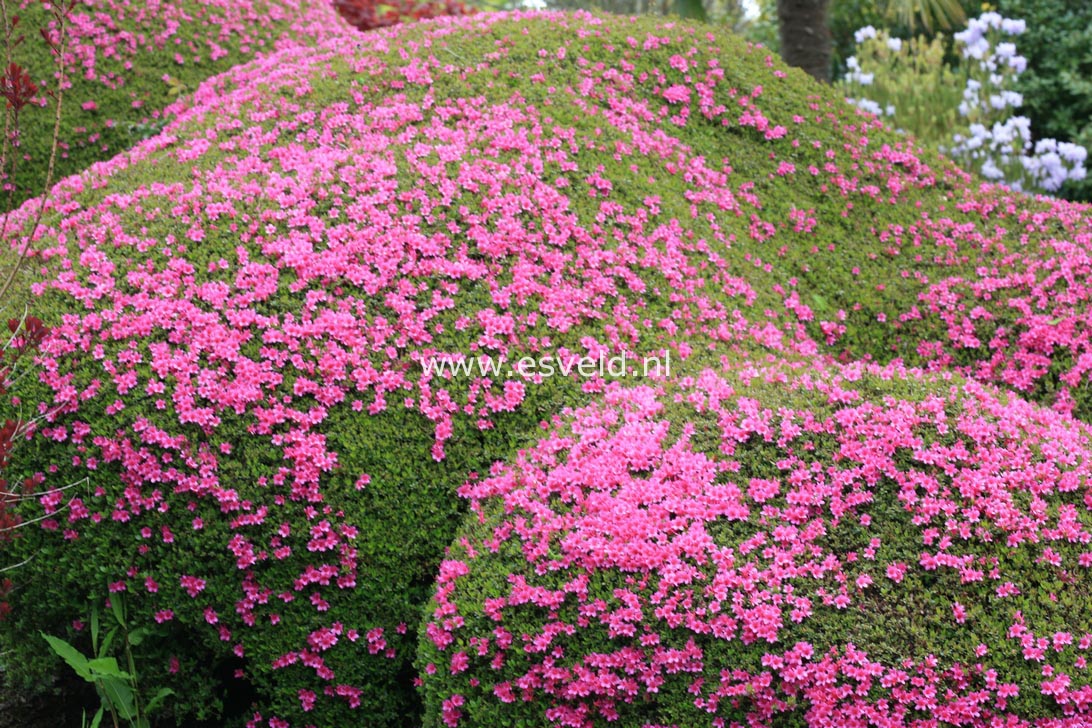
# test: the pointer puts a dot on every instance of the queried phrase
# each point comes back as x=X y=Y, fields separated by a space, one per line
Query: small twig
x=454 y=54
x=38 y=494
x=22 y=320
x=24 y=562
x=43 y=517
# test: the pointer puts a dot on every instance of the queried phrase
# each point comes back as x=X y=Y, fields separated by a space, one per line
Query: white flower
x=852 y=63
x=868 y=105
x=894 y=44
x=1073 y=153
x=991 y=171
x=1006 y=98
x=975 y=48
x=1013 y=26
x=864 y=34
x=1052 y=173
x=1046 y=146
x=890 y=110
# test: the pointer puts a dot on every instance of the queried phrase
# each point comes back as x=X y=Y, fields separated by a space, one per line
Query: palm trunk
x=805 y=35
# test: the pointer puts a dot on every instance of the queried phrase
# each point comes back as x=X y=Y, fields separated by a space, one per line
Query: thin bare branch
x=24 y=562
x=39 y=494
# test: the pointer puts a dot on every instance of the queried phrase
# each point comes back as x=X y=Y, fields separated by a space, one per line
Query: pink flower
x=192 y=585
x=459 y=662
x=677 y=94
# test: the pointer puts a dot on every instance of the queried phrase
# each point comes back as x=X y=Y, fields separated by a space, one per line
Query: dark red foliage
x=16 y=86
x=368 y=14
x=26 y=336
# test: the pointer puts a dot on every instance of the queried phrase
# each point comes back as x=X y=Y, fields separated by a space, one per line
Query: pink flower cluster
x=618 y=488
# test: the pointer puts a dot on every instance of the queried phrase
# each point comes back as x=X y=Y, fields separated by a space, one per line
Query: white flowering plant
x=966 y=110
x=907 y=81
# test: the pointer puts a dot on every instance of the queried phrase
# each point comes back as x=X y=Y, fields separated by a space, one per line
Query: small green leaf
x=109 y=641
x=118 y=605
x=98 y=717
x=156 y=701
x=95 y=629
x=137 y=636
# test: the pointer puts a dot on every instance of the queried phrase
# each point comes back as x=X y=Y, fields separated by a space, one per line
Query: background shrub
x=1056 y=88
x=967 y=108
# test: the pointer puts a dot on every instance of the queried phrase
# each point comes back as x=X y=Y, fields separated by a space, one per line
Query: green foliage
x=1057 y=86
x=847 y=16
x=931 y=14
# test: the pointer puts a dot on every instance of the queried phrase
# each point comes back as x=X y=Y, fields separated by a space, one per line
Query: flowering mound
x=774 y=545
x=127 y=61
x=264 y=380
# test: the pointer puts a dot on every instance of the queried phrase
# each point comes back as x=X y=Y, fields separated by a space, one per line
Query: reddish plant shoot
x=369 y=14
x=25 y=336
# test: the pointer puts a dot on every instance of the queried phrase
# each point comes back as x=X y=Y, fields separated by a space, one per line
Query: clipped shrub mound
x=263 y=389
x=127 y=61
x=774 y=545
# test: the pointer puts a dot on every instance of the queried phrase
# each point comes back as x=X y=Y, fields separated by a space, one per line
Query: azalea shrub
x=125 y=63
x=965 y=111
x=775 y=545
x=269 y=471
x=245 y=310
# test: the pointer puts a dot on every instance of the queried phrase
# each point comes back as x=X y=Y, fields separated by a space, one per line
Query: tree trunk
x=805 y=35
